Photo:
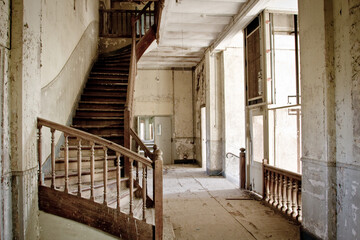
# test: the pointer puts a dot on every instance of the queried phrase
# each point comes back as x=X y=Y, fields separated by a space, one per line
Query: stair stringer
x=93 y=214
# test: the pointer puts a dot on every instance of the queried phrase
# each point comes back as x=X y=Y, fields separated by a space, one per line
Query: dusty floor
x=197 y=207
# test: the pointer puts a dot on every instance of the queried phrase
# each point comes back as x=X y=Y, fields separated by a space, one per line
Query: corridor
x=203 y=207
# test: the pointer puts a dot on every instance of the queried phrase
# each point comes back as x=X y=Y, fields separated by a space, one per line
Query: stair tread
x=100 y=110
x=98 y=102
x=72 y=173
x=96 y=126
x=99 y=118
x=84 y=159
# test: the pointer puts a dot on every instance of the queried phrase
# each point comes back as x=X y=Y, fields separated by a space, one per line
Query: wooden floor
x=199 y=207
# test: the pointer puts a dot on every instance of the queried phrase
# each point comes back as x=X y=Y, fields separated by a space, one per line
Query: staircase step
x=101 y=105
x=85 y=176
x=83 y=112
x=110 y=69
x=106 y=93
x=85 y=163
x=101 y=131
x=86 y=97
x=106 y=81
x=98 y=121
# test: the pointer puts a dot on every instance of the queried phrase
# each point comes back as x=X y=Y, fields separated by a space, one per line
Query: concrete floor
x=198 y=208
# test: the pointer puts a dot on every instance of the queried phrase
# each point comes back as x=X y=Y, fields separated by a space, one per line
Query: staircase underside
x=93 y=214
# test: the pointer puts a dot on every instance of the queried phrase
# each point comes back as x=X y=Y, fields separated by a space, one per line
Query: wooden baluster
x=105 y=175
x=66 y=159
x=122 y=24
x=144 y=191
x=118 y=177
x=145 y=22
x=242 y=168
x=150 y=17
x=288 y=203
x=299 y=215
x=284 y=197
x=52 y=158
x=279 y=206
x=40 y=155
x=267 y=185
x=271 y=187
x=158 y=192
x=131 y=183
x=276 y=197
x=294 y=198
x=137 y=171
x=79 y=161
x=92 y=170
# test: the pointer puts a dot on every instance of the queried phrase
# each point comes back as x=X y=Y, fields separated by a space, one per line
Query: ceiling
x=189 y=27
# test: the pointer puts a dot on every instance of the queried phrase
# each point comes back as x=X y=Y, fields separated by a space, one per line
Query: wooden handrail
x=137 y=139
x=98 y=140
x=143 y=11
x=285 y=172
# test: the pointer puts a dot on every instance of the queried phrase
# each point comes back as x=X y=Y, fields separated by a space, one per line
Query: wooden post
x=118 y=172
x=299 y=215
x=284 y=203
x=265 y=182
x=126 y=139
x=92 y=170
x=288 y=194
x=52 y=158
x=40 y=155
x=79 y=159
x=66 y=159
x=158 y=189
x=131 y=182
x=105 y=175
x=144 y=191
x=154 y=176
x=242 y=169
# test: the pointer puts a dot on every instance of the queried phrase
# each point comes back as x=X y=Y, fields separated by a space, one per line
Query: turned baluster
x=299 y=215
x=279 y=206
x=66 y=161
x=289 y=194
x=105 y=174
x=284 y=197
x=267 y=186
x=276 y=197
x=52 y=158
x=40 y=155
x=79 y=163
x=118 y=176
x=271 y=187
x=294 y=198
x=137 y=171
x=144 y=191
x=92 y=170
x=131 y=183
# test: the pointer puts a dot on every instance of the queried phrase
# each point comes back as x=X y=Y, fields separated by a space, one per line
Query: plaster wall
x=5 y=169
x=330 y=40
x=168 y=93
x=63 y=25
x=234 y=110
x=58 y=228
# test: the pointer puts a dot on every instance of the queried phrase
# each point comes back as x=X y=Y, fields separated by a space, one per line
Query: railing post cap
x=242 y=150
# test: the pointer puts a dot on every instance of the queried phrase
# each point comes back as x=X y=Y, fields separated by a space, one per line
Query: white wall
x=168 y=93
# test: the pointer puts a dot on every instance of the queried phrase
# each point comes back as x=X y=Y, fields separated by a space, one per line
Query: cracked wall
x=168 y=93
x=330 y=40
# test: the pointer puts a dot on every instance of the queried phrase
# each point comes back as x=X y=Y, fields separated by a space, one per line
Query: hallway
x=203 y=207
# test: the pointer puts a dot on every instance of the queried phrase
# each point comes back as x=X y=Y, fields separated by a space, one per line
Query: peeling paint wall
x=330 y=43
x=168 y=93
x=5 y=169
x=234 y=110
x=111 y=44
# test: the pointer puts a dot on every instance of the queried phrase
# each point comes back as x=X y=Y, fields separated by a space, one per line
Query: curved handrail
x=141 y=144
x=92 y=138
x=232 y=154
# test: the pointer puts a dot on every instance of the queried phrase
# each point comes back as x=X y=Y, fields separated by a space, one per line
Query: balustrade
x=283 y=190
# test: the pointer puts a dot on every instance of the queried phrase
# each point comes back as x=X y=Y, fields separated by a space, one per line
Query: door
x=256 y=144
x=163 y=137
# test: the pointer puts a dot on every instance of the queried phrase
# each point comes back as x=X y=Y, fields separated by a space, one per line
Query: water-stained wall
x=168 y=93
x=330 y=74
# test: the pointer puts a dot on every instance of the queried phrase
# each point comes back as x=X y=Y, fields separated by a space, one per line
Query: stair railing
x=82 y=137
x=282 y=190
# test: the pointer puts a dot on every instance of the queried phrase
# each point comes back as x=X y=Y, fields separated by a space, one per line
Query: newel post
x=158 y=193
x=265 y=179
x=242 y=167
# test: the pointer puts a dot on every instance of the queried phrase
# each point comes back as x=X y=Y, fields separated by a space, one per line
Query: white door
x=163 y=137
x=256 y=142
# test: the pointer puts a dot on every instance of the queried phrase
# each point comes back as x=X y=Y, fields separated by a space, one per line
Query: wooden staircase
x=94 y=178
x=101 y=108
